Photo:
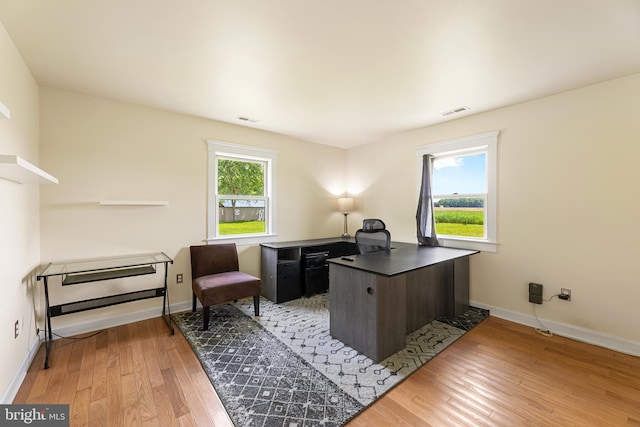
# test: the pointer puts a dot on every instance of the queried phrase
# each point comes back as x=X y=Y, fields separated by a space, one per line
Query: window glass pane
x=241 y=192
x=459 y=187
x=465 y=167
x=460 y=219
x=236 y=177
x=459 y=174
x=241 y=216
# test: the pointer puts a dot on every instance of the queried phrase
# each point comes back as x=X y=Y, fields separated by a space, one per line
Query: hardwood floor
x=505 y=374
x=499 y=374
x=136 y=374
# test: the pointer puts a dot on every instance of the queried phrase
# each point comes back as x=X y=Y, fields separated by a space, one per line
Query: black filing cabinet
x=288 y=280
x=280 y=274
x=316 y=273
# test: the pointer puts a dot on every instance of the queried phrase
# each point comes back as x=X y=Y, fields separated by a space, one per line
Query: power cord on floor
x=78 y=338
x=543 y=330
x=74 y=338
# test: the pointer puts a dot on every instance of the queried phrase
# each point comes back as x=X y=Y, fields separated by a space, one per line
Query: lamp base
x=346 y=234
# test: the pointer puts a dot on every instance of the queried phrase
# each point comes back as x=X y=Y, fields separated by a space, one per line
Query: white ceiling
x=338 y=72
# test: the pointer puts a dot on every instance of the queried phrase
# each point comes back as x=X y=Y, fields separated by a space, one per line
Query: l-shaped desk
x=378 y=298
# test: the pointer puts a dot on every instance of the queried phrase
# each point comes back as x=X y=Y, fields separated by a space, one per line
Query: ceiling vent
x=247 y=119
x=455 y=111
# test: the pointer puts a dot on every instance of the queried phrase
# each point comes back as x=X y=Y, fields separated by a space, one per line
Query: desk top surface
x=306 y=243
x=402 y=259
x=98 y=264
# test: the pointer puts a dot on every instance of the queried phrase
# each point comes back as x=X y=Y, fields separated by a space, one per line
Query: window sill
x=244 y=240
x=471 y=244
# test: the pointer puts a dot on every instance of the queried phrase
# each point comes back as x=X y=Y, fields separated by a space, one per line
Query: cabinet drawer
x=288 y=269
x=288 y=285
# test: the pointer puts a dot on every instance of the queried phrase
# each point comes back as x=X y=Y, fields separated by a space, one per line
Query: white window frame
x=229 y=151
x=485 y=142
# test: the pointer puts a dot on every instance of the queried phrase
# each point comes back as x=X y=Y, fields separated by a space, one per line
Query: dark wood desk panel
x=427 y=294
x=366 y=309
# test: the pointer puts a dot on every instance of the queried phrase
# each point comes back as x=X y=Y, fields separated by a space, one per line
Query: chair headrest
x=373 y=224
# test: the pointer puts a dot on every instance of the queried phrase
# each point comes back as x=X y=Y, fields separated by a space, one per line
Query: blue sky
x=463 y=174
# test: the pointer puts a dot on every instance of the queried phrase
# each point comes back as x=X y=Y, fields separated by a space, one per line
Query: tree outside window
x=241 y=192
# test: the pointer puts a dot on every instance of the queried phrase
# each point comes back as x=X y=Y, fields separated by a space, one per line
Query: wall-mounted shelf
x=134 y=203
x=17 y=169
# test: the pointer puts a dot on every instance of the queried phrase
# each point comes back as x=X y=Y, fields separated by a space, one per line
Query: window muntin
x=241 y=191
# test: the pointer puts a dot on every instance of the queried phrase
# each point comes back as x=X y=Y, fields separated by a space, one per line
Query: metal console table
x=94 y=270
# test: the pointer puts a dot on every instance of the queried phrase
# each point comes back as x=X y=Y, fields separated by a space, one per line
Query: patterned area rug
x=284 y=369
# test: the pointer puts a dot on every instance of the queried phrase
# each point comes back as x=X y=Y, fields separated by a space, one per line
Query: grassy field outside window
x=465 y=222
x=241 y=227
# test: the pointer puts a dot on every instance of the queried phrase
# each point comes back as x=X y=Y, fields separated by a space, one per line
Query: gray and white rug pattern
x=303 y=326
x=283 y=368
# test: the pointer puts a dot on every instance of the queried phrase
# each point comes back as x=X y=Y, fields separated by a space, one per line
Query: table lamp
x=345 y=205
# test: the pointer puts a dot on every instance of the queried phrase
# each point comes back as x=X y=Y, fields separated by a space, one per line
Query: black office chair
x=373 y=236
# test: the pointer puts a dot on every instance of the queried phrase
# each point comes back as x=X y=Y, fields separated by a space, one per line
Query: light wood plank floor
x=499 y=374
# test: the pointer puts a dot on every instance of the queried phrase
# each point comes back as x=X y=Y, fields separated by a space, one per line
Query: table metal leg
x=48 y=335
x=166 y=309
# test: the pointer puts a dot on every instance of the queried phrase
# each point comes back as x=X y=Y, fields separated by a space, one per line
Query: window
x=241 y=191
x=463 y=185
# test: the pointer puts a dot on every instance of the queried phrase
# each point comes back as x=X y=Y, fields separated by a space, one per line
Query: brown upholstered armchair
x=216 y=279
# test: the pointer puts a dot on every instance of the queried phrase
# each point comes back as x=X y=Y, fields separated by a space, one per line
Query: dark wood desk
x=376 y=299
x=282 y=270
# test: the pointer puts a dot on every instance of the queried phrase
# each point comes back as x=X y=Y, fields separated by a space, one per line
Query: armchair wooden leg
x=205 y=317
x=256 y=305
x=193 y=306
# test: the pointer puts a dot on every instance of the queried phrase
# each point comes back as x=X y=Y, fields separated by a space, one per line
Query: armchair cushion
x=224 y=287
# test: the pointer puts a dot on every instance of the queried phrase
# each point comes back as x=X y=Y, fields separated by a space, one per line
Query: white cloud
x=448 y=162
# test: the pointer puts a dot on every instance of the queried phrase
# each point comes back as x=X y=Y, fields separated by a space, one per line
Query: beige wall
x=567 y=206
x=19 y=214
x=106 y=150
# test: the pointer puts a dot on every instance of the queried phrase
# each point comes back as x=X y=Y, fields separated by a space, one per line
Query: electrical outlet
x=17 y=326
x=179 y=278
x=565 y=294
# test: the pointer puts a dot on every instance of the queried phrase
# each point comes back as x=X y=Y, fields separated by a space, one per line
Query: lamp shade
x=345 y=204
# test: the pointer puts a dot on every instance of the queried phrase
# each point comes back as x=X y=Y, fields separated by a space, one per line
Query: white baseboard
x=15 y=383
x=80 y=328
x=568 y=331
